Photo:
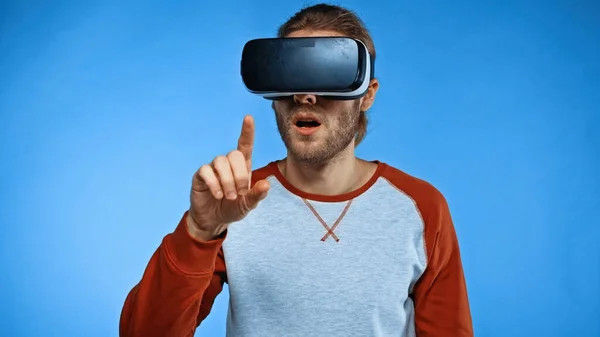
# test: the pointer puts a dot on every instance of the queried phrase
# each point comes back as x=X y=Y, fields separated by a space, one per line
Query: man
x=320 y=243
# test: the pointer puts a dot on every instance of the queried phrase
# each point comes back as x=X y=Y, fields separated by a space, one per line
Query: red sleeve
x=178 y=288
x=440 y=296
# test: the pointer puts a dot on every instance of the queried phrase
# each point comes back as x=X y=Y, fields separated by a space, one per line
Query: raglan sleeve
x=177 y=289
x=440 y=295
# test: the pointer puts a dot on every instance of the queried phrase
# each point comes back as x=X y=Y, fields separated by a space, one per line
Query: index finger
x=246 y=140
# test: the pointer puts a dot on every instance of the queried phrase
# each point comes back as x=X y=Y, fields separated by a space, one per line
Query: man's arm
x=178 y=288
x=440 y=296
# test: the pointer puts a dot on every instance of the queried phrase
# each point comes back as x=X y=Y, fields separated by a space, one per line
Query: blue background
x=108 y=108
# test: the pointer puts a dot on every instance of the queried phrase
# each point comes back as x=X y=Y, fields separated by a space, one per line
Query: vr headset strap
x=372 y=60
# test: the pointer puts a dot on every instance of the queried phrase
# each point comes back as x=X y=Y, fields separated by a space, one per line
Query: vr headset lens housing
x=336 y=67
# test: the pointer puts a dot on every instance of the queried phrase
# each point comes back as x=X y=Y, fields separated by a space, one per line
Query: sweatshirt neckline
x=328 y=198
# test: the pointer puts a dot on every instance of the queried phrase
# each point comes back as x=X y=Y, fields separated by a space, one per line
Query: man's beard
x=336 y=140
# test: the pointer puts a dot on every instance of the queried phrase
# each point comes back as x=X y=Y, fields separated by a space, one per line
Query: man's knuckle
x=219 y=161
x=235 y=154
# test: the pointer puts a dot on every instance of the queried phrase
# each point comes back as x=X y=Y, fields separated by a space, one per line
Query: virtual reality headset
x=334 y=67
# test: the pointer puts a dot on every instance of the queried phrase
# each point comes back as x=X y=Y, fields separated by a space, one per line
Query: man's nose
x=305 y=99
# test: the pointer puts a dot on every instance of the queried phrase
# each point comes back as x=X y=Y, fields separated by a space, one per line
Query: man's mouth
x=307 y=124
x=306 y=121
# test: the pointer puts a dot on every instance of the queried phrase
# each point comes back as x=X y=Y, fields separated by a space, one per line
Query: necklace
x=335 y=224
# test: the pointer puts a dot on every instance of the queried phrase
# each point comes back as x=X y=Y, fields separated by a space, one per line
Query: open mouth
x=307 y=123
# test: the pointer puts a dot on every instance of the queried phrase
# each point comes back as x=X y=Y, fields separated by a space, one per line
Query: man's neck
x=342 y=174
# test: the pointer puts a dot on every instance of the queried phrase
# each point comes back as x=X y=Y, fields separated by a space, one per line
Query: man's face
x=333 y=128
x=336 y=121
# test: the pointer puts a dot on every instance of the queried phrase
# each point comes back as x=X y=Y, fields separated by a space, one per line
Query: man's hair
x=337 y=19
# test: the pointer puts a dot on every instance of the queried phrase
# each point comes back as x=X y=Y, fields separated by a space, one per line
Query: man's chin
x=302 y=146
x=306 y=142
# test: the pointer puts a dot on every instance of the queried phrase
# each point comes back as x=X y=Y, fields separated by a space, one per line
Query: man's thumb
x=257 y=193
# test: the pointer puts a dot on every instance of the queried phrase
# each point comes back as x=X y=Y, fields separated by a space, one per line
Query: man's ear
x=369 y=97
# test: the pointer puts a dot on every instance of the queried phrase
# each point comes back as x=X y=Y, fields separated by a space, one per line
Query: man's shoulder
x=421 y=191
x=429 y=201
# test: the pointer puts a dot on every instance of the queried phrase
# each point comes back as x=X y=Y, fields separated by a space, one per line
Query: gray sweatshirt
x=382 y=260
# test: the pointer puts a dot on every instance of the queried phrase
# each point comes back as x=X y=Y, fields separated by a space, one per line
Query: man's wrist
x=201 y=235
